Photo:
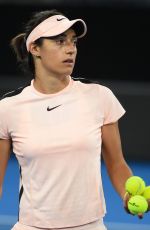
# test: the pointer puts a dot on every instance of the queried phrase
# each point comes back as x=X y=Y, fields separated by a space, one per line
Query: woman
x=56 y=126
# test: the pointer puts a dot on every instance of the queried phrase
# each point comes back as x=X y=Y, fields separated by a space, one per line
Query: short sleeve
x=3 y=122
x=112 y=108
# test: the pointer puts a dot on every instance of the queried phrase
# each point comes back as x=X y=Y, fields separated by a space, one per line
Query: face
x=57 y=55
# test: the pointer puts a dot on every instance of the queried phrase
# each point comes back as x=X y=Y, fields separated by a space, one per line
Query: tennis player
x=57 y=127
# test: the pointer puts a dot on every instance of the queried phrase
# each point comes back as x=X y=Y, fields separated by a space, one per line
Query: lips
x=69 y=60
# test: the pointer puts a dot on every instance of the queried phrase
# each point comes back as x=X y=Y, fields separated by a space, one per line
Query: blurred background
x=116 y=52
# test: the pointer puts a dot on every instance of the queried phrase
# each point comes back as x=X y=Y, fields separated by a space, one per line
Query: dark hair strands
x=18 y=43
x=37 y=18
x=19 y=46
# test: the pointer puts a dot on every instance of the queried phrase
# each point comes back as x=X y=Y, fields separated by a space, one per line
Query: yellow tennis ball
x=135 y=185
x=146 y=193
x=137 y=204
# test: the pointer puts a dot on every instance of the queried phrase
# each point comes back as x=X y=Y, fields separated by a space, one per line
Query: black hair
x=18 y=43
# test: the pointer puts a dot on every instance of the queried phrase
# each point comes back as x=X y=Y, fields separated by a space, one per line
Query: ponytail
x=18 y=43
x=19 y=46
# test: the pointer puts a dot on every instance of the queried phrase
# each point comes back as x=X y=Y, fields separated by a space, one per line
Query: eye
x=60 y=41
x=75 y=41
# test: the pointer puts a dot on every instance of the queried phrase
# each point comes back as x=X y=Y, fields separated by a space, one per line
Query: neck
x=49 y=84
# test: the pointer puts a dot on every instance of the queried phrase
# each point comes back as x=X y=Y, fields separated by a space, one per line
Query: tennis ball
x=135 y=185
x=146 y=193
x=137 y=204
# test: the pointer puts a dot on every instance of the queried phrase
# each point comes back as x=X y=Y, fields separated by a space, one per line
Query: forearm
x=5 y=146
x=119 y=173
x=3 y=165
x=117 y=167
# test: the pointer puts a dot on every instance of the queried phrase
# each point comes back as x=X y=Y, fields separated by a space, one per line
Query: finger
x=140 y=215
x=126 y=198
x=127 y=210
x=125 y=202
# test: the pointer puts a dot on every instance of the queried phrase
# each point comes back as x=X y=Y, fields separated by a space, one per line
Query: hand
x=125 y=200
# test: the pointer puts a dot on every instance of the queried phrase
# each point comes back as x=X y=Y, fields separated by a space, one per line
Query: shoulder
x=93 y=85
x=9 y=98
x=13 y=93
x=86 y=81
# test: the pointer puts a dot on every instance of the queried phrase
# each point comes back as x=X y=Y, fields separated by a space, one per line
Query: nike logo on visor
x=50 y=109
x=60 y=19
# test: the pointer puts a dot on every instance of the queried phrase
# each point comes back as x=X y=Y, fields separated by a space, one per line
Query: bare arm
x=116 y=165
x=5 y=150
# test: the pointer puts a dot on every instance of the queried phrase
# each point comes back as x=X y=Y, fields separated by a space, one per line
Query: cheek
x=47 y=53
x=50 y=56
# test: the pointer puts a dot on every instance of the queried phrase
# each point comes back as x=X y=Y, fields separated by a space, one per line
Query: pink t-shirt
x=57 y=141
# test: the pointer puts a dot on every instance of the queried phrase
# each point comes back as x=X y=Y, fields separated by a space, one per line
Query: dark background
x=116 y=46
x=116 y=51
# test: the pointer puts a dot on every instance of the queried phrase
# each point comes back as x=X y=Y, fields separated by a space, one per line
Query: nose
x=70 y=48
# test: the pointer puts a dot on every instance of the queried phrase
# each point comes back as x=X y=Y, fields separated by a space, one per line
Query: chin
x=67 y=73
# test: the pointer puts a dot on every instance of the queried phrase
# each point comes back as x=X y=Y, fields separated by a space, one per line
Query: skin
x=51 y=76
x=51 y=72
x=5 y=150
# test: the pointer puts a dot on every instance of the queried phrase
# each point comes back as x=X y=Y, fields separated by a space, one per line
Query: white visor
x=54 y=26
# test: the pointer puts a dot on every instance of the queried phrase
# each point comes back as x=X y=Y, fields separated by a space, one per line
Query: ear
x=35 y=49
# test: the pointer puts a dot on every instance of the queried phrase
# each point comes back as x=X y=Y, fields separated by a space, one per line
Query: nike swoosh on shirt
x=60 y=19
x=50 y=109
